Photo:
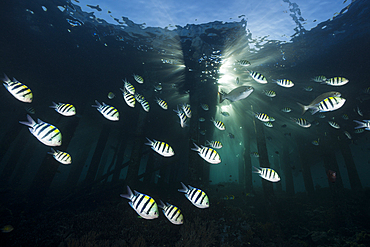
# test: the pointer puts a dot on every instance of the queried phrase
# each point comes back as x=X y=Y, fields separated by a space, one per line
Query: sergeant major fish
x=109 y=112
x=236 y=94
x=46 y=133
x=161 y=147
x=20 y=91
x=172 y=213
x=268 y=174
x=196 y=196
x=64 y=109
x=317 y=100
x=208 y=154
x=61 y=157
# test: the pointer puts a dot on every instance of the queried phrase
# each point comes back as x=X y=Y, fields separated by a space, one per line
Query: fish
x=61 y=157
x=129 y=98
x=202 y=132
x=269 y=93
x=186 y=109
x=334 y=124
x=7 y=228
x=237 y=80
x=138 y=78
x=172 y=213
x=261 y=116
x=286 y=109
x=225 y=114
x=359 y=112
x=268 y=124
x=161 y=103
x=196 y=196
x=257 y=77
x=301 y=122
x=365 y=124
x=319 y=78
x=236 y=94
x=64 y=109
x=317 y=100
x=204 y=107
x=231 y=136
x=214 y=144
x=46 y=133
x=336 y=81
x=161 y=147
x=208 y=154
x=255 y=154
x=272 y=119
x=20 y=91
x=128 y=86
x=345 y=117
x=316 y=142
x=329 y=104
x=145 y=104
x=158 y=86
x=347 y=134
x=144 y=205
x=111 y=95
x=359 y=131
x=267 y=173
x=219 y=125
x=321 y=115
x=201 y=119
x=109 y=112
x=30 y=110
x=308 y=89
x=284 y=83
x=243 y=62
x=182 y=117
x=332 y=176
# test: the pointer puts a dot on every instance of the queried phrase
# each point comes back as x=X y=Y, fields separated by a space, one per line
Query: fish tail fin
x=314 y=110
x=256 y=170
x=184 y=188
x=52 y=151
x=30 y=121
x=220 y=97
x=6 y=79
x=304 y=108
x=54 y=106
x=149 y=143
x=97 y=104
x=196 y=147
x=361 y=124
x=129 y=194
x=161 y=204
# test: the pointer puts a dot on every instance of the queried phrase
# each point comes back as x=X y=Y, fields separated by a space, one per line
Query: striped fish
x=214 y=144
x=30 y=110
x=109 y=112
x=243 y=62
x=204 y=107
x=129 y=98
x=262 y=116
x=161 y=147
x=61 y=157
x=301 y=122
x=172 y=213
x=268 y=124
x=44 y=132
x=20 y=91
x=138 y=78
x=186 y=109
x=145 y=105
x=219 y=125
x=139 y=97
x=258 y=77
x=144 y=205
x=208 y=154
x=319 y=78
x=329 y=104
x=268 y=174
x=269 y=93
x=255 y=154
x=284 y=83
x=161 y=103
x=286 y=109
x=336 y=81
x=128 y=86
x=333 y=124
x=272 y=119
x=198 y=197
x=182 y=117
x=64 y=109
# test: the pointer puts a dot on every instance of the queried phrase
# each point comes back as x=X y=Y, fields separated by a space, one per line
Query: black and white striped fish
x=145 y=104
x=186 y=109
x=129 y=98
x=144 y=205
x=197 y=196
x=284 y=83
x=268 y=174
x=128 y=86
x=268 y=124
x=269 y=93
x=162 y=103
x=319 y=78
x=182 y=117
x=138 y=78
x=109 y=112
x=20 y=91
x=161 y=147
x=243 y=62
x=214 y=144
x=301 y=122
x=258 y=77
x=172 y=213
x=329 y=104
x=208 y=154
x=333 y=124
x=61 y=157
x=64 y=109
x=219 y=125
x=336 y=81
x=262 y=116
x=44 y=132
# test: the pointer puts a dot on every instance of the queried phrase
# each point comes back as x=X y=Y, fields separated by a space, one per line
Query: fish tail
x=220 y=96
x=129 y=194
x=52 y=151
x=97 y=104
x=361 y=124
x=304 y=108
x=184 y=188
x=6 y=79
x=30 y=121
x=161 y=204
x=54 y=105
x=149 y=143
x=196 y=147
x=256 y=170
